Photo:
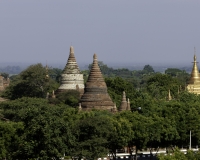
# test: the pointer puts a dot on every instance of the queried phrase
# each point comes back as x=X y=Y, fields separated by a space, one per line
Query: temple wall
x=72 y=77
x=193 y=88
x=71 y=81
x=71 y=86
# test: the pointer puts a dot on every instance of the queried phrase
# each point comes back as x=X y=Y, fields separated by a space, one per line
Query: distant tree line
x=11 y=69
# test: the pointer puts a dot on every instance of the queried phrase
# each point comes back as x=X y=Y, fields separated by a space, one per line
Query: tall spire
x=96 y=95
x=193 y=85
x=123 y=105
x=169 y=96
x=195 y=78
x=71 y=66
x=128 y=105
x=95 y=72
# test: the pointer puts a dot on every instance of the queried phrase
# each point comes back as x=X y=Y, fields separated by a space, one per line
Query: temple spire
x=123 y=105
x=96 y=95
x=71 y=54
x=128 y=105
x=114 y=109
x=71 y=77
x=193 y=84
x=195 y=71
x=169 y=96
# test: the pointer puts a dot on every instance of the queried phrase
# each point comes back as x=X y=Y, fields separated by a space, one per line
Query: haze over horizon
x=119 y=32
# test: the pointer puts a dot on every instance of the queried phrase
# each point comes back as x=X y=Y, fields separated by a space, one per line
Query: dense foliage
x=32 y=82
x=33 y=127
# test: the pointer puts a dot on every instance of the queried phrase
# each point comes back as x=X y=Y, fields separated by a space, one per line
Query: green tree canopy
x=148 y=69
x=32 y=82
x=46 y=133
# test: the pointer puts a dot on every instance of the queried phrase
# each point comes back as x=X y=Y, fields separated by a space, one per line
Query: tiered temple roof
x=194 y=81
x=96 y=95
x=71 y=78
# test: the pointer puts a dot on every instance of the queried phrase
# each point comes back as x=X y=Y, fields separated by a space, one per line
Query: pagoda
x=95 y=95
x=169 y=98
x=71 y=77
x=125 y=104
x=193 y=85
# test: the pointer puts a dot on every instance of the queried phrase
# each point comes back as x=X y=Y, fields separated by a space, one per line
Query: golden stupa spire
x=195 y=71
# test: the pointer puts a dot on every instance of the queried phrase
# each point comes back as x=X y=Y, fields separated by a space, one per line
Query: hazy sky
x=126 y=31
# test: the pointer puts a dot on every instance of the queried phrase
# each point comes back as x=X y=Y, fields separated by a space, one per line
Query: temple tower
x=114 y=109
x=193 y=85
x=71 y=77
x=169 y=98
x=96 y=95
x=124 y=104
x=128 y=105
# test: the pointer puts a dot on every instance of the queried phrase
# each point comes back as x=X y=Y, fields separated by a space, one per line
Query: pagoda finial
x=95 y=57
x=124 y=96
x=195 y=71
x=195 y=58
x=71 y=50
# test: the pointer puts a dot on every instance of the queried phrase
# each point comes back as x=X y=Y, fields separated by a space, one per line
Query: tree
x=159 y=85
x=141 y=130
x=32 y=82
x=177 y=155
x=46 y=134
x=70 y=98
x=148 y=69
x=55 y=74
x=116 y=86
x=122 y=133
x=181 y=75
x=9 y=138
x=92 y=135
x=173 y=71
